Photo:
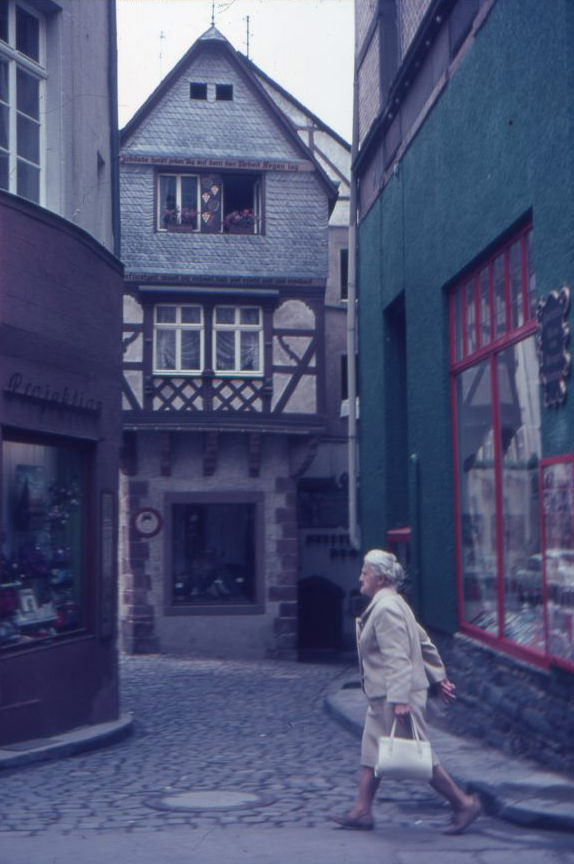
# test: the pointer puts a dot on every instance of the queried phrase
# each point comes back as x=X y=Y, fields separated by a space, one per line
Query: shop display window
x=558 y=532
x=497 y=419
x=42 y=572
x=213 y=553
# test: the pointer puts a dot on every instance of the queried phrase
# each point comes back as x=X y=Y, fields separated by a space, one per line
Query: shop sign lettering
x=552 y=339
x=48 y=397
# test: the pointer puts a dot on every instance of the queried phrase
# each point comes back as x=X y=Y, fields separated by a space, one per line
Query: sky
x=304 y=45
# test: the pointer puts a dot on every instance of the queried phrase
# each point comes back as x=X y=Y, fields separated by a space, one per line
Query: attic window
x=224 y=92
x=197 y=90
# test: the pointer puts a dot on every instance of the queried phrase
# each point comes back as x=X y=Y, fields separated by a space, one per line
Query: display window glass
x=42 y=574
x=213 y=553
x=497 y=425
x=558 y=530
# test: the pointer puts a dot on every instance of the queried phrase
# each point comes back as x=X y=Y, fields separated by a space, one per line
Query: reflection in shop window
x=213 y=549
x=477 y=498
x=517 y=371
x=42 y=579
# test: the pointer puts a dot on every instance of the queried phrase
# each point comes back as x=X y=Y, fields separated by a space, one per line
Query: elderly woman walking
x=398 y=663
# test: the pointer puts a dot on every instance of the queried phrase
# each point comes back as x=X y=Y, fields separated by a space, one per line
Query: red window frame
x=475 y=338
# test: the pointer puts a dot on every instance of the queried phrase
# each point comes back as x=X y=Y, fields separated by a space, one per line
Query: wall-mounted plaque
x=147 y=523
x=552 y=338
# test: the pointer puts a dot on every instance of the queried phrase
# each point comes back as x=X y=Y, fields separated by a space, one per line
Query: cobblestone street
x=253 y=729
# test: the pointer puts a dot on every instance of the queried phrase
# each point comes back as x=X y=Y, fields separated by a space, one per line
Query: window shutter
x=211 y=203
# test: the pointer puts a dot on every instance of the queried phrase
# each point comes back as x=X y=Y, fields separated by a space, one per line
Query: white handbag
x=404 y=758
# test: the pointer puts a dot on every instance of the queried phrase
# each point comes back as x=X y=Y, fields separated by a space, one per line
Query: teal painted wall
x=497 y=145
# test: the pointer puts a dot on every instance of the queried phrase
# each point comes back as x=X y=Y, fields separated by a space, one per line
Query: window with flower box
x=498 y=449
x=209 y=203
x=22 y=80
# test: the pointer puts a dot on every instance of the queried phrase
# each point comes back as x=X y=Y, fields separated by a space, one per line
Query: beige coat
x=396 y=656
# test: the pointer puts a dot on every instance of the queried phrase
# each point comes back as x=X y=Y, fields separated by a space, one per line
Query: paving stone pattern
x=210 y=725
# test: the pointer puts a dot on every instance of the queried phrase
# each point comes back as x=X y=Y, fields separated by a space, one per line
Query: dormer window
x=224 y=92
x=198 y=90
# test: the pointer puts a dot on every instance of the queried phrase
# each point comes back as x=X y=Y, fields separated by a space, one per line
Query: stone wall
x=270 y=629
x=519 y=708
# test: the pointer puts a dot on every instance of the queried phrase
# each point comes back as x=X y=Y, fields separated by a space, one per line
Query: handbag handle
x=415 y=731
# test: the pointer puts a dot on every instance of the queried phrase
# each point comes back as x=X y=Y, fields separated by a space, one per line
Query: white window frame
x=237 y=327
x=37 y=69
x=178 y=205
x=179 y=327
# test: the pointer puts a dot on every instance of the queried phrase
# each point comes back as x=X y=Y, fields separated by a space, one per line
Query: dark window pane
x=4 y=126
x=28 y=181
x=4 y=97
x=225 y=315
x=344 y=270
x=4 y=20
x=27 y=34
x=516 y=304
x=28 y=94
x=484 y=302
x=166 y=314
x=3 y=171
x=470 y=319
x=532 y=296
x=458 y=325
x=197 y=90
x=191 y=314
x=213 y=553
x=28 y=139
x=499 y=297
x=249 y=316
x=224 y=92
x=189 y=209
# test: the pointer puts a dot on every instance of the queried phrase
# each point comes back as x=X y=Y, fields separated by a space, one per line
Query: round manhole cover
x=219 y=799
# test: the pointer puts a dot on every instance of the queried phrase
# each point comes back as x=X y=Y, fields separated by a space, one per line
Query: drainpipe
x=352 y=330
x=114 y=134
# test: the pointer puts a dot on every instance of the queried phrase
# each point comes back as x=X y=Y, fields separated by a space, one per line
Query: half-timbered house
x=228 y=186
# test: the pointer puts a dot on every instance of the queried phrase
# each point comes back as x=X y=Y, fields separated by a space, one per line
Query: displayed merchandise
x=404 y=758
x=41 y=565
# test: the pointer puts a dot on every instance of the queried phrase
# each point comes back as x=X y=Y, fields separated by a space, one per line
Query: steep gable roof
x=213 y=39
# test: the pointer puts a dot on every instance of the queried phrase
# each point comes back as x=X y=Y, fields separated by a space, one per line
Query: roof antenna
x=213 y=13
x=247 y=25
x=161 y=41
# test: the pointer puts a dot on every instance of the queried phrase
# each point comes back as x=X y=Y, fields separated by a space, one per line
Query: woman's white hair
x=385 y=564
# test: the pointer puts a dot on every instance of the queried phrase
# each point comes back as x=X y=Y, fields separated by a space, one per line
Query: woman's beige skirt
x=379 y=720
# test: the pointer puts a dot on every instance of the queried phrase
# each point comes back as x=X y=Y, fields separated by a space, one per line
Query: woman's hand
x=401 y=709
x=447 y=690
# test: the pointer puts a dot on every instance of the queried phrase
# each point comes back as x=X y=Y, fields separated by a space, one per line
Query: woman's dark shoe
x=463 y=818
x=353 y=823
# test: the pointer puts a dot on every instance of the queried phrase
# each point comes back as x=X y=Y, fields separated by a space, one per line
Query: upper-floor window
x=22 y=78
x=178 y=201
x=238 y=338
x=180 y=337
x=209 y=203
